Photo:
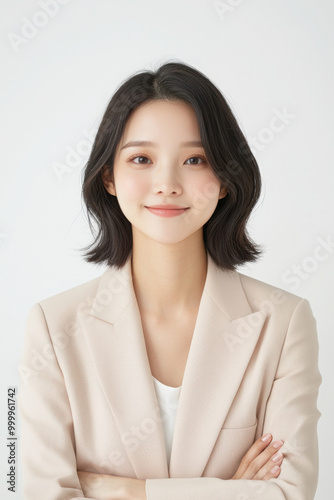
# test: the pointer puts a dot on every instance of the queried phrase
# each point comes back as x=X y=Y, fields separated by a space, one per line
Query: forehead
x=156 y=120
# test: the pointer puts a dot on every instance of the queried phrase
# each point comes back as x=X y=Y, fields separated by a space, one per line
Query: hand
x=258 y=462
x=107 y=487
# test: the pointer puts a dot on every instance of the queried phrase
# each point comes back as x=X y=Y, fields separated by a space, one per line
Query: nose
x=165 y=182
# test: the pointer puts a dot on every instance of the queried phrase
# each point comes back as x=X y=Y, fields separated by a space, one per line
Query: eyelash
x=193 y=164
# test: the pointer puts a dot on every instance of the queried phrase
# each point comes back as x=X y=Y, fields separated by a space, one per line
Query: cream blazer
x=87 y=399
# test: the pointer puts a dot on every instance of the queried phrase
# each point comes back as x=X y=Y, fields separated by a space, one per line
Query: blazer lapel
x=224 y=338
x=113 y=332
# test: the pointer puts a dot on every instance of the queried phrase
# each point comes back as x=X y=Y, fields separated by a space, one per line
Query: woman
x=172 y=375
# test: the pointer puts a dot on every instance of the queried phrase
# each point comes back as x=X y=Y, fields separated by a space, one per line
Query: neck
x=168 y=279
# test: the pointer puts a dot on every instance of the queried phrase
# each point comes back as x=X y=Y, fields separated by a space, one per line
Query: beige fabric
x=87 y=399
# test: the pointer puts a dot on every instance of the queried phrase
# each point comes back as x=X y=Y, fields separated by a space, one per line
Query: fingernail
x=277 y=456
x=277 y=444
x=275 y=469
x=265 y=438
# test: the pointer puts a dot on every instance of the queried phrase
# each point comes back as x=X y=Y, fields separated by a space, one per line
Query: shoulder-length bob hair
x=225 y=235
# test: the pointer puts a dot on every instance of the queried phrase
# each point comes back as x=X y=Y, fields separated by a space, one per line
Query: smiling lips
x=167 y=210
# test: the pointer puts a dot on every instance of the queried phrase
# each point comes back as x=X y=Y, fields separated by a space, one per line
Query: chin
x=165 y=239
x=175 y=241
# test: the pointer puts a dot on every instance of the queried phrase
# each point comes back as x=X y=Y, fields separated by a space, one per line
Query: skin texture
x=169 y=258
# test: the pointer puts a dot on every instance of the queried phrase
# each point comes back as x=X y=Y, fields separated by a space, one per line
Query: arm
x=108 y=487
x=256 y=464
x=47 y=437
x=291 y=415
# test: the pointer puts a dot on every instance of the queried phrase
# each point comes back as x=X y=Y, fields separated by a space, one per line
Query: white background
x=57 y=78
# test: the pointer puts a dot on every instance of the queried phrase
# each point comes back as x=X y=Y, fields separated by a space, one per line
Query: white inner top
x=168 y=398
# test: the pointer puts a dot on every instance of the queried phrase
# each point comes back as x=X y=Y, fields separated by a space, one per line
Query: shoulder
x=253 y=286
x=272 y=299
x=284 y=312
x=72 y=295
x=63 y=306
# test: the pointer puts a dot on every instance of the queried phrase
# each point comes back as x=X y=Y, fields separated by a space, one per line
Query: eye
x=133 y=158
x=196 y=158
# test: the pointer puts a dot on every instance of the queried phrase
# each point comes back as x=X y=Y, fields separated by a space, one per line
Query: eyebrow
x=153 y=144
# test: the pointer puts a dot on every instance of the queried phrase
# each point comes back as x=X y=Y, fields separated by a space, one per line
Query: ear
x=223 y=192
x=107 y=180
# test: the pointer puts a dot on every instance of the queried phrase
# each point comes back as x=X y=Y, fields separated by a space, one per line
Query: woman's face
x=168 y=170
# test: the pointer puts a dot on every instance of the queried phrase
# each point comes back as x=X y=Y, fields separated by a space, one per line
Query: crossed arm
x=262 y=462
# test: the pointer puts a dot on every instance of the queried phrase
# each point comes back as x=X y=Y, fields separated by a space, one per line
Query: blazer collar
x=224 y=338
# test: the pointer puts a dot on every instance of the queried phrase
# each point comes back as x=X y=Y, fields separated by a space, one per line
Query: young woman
x=172 y=375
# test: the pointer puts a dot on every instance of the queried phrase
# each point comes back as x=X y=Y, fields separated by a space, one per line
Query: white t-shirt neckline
x=168 y=398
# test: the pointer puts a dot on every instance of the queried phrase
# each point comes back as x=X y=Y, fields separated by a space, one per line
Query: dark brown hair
x=225 y=235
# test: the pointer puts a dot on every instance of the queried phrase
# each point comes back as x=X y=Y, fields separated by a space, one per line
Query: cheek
x=132 y=187
x=205 y=190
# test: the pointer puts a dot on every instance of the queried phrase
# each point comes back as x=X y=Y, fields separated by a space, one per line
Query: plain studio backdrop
x=61 y=62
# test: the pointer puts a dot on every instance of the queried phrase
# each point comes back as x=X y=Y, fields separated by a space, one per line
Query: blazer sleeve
x=48 y=459
x=291 y=415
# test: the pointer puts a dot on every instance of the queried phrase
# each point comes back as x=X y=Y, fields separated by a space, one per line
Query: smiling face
x=169 y=168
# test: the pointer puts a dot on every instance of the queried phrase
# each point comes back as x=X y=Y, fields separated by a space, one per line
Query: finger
x=272 y=468
x=262 y=459
x=254 y=451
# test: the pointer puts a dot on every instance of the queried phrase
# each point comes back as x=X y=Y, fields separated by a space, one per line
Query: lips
x=167 y=210
x=168 y=207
